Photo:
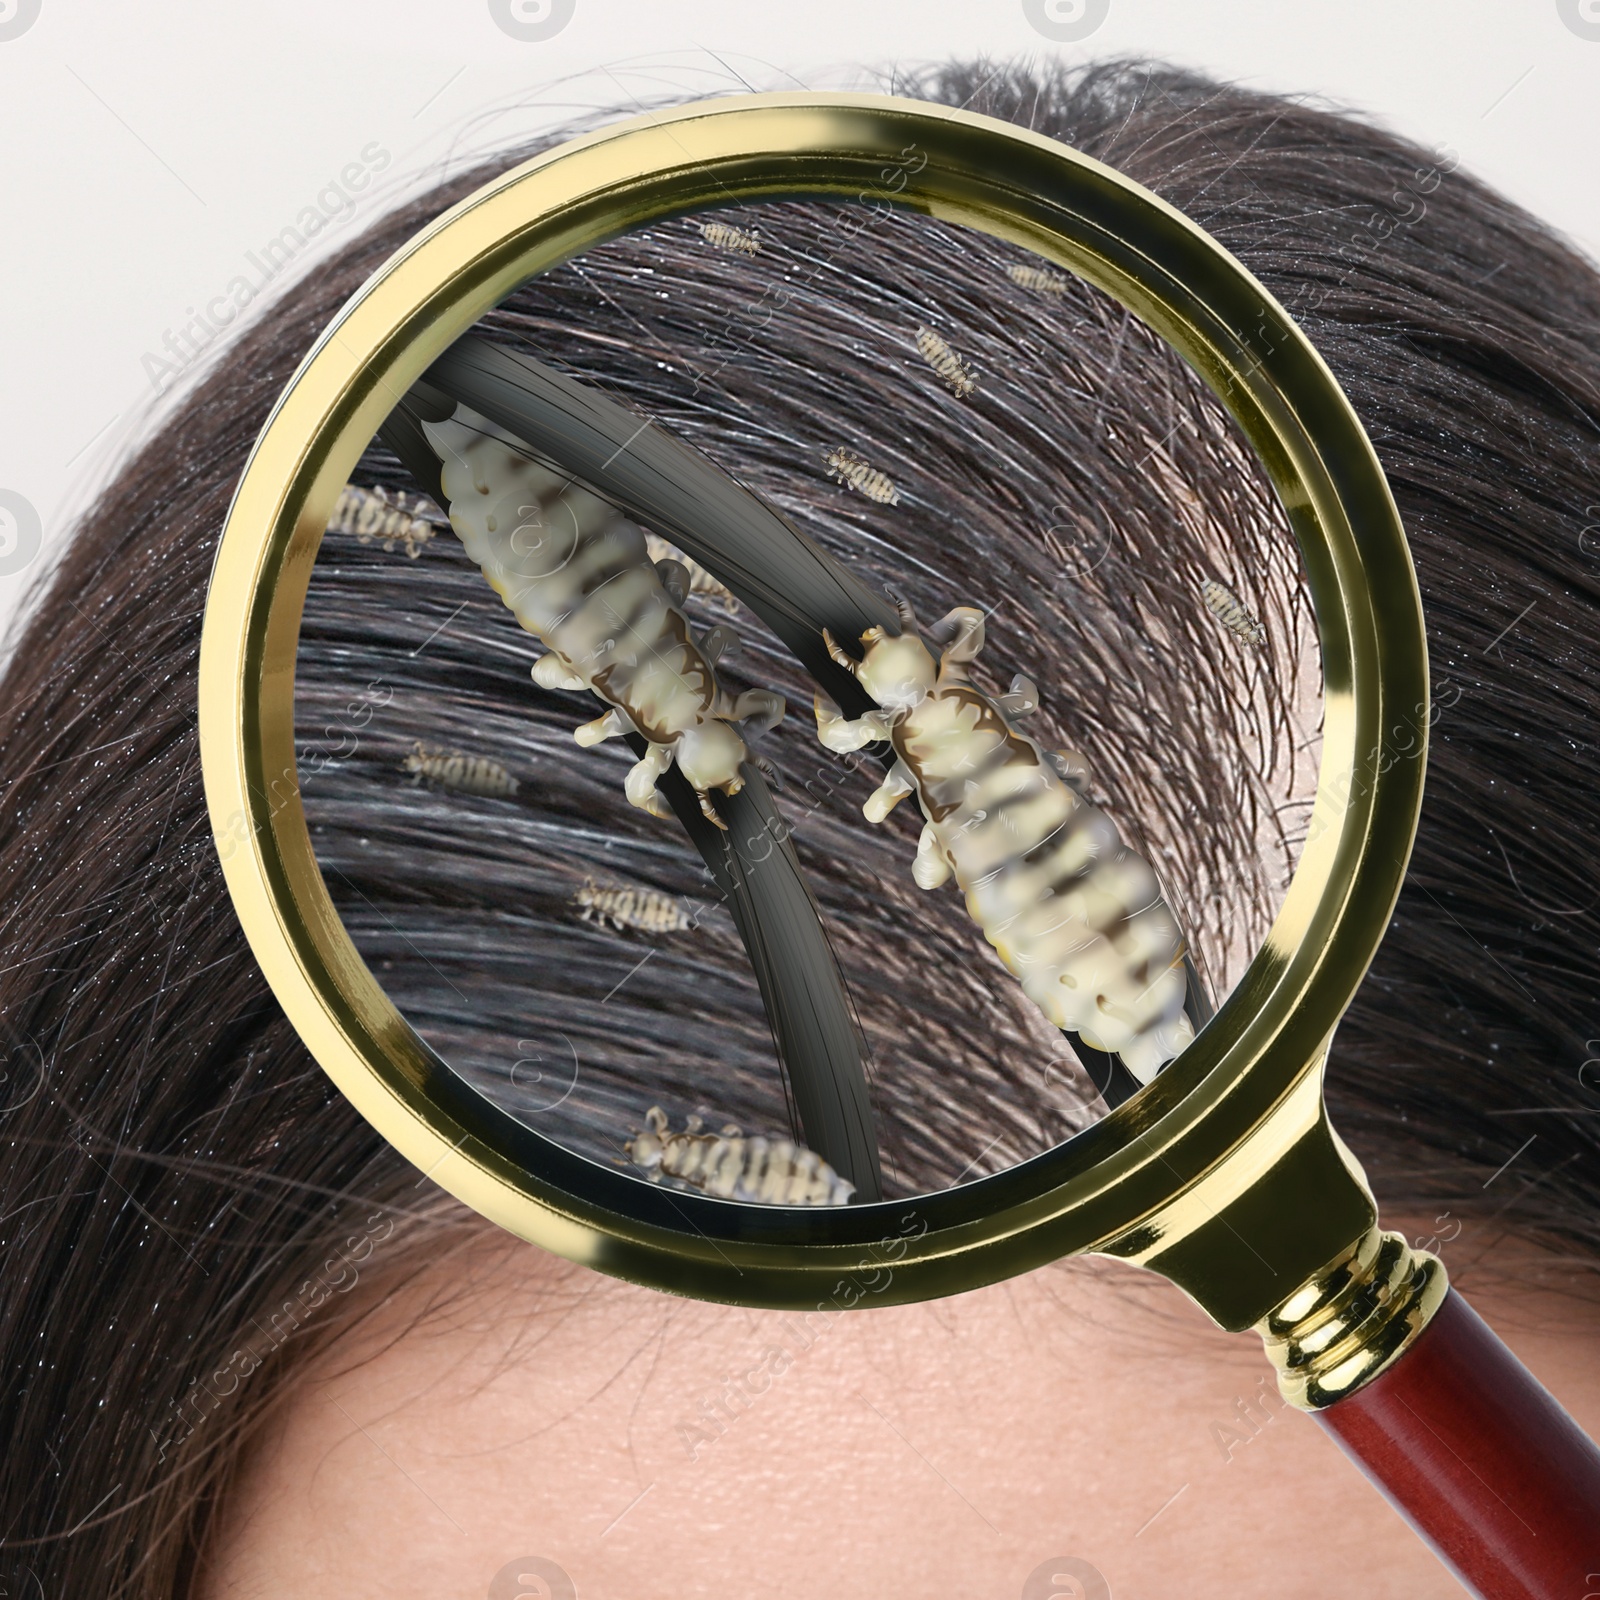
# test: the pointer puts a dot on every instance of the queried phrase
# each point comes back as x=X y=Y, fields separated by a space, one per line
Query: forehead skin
x=506 y=1405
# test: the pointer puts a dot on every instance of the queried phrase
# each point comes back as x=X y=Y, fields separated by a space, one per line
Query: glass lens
x=1103 y=697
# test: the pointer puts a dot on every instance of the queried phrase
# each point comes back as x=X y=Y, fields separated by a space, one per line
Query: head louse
x=577 y=574
x=383 y=514
x=642 y=910
x=466 y=774
x=700 y=581
x=1074 y=914
x=1231 y=612
x=757 y=1170
x=955 y=373
x=725 y=236
x=845 y=465
x=1039 y=279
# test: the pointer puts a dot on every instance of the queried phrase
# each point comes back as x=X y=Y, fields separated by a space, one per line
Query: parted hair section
x=186 y=1203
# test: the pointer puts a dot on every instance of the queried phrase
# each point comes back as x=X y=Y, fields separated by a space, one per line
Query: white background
x=148 y=148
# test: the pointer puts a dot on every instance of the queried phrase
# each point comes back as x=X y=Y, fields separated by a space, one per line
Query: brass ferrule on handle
x=1353 y=1319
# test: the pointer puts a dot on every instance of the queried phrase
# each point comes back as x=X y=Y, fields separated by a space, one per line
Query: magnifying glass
x=1205 y=1151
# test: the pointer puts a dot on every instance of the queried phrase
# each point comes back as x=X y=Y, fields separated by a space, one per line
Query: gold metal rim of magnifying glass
x=1223 y=1173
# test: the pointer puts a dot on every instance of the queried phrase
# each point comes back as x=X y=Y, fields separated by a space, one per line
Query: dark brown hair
x=185 y=1197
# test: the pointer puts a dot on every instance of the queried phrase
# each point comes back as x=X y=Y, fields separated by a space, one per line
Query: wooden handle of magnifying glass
x=1479 y=1458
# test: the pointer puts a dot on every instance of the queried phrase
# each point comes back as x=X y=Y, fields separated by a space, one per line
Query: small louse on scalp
x=724 y=236
x=467 y=774
x=845 y=465
x=771 y=1172
x=644 y=910
x=385 y=515
x=1230 y=611
x=956 y=374
x=1039 y=279
x=700 y=581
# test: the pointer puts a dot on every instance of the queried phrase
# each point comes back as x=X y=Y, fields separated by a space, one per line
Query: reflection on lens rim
x=1235 y=1099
